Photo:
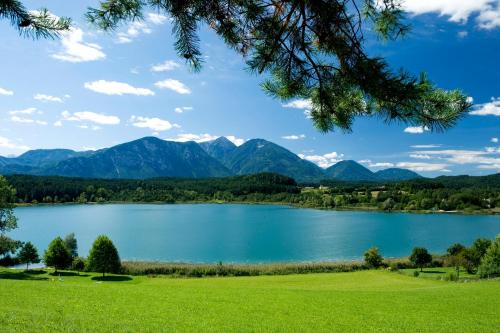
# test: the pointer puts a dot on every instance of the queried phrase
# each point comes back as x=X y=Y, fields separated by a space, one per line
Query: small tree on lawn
x=490 y=264
x=103 y=256
x=71 y=244
x=28 y=254
x=456 y=256
x=420 y=257
x=57 y=255
x=373 y=257
x=78 y=264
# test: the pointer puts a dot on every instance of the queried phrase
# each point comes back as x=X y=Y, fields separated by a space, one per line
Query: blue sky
x=90 y=90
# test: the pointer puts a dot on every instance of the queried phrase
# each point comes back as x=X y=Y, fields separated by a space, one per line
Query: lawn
x=345 y=302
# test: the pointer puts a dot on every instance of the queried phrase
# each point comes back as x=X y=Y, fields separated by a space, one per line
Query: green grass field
x=363 y=301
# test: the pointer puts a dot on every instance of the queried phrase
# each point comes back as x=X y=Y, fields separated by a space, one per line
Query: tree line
x=461 y=193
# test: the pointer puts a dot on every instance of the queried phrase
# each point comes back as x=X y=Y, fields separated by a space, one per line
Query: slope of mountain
x=258 y=155
x=144 y=158
x=46 y=157
x=219 y=148
x=349 y=171
x=396 y=174
x=152 y=157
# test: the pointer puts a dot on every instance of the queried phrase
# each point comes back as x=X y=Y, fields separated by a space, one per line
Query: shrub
x=57 y=255
x=451 y=276
x=416 y=273
x=373 y=258
x=490 y=264
x=103 y=256
x=78 y=264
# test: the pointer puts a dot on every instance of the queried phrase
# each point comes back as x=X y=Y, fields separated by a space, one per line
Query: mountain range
x=151 y=157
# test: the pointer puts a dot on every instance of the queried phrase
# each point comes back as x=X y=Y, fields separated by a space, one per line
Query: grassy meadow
x=371 y=300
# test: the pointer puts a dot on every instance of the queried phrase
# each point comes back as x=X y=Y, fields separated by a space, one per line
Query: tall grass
x=203 y=270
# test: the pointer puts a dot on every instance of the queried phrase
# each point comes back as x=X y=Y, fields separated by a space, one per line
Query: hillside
x=259 y=155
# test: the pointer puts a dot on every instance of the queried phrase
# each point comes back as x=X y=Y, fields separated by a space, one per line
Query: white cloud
x=423 y=167
x=294 y=137
x=155 y=124
x=6 y=92
x=182 y=109
x=116 y=88
x=235 y=140
x=47 y=98
x=93 y=117
x=364 y=161
x=18 y=119
x=74 y=49
x=299 y=104
x=324 y=161
x=185 y=137
x=487 y=109
x=173 y=85
x=426 y=146
x=137 y=28
x=23 y=111
x=494 y=140
x=462 y=34
x=420 y=156
x=6 y=143
x=487 y=12
x=480 y=157
x=416 y=129
x=58 y=123
x=156 y=18
x=381 y=165
x=167 y=65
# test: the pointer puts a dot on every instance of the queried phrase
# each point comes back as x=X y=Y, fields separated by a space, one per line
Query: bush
x=373 y=258
x=416 y=273
x=451 y=276
x=103 y=256
x=490 y=265
x=78 y=264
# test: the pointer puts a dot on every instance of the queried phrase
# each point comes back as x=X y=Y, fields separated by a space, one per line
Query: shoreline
x=291 y=205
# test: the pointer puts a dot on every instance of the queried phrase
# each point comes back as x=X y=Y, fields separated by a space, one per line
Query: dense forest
x=451 y=193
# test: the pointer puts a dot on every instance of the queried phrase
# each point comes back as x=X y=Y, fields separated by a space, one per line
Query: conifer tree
x=314 y=50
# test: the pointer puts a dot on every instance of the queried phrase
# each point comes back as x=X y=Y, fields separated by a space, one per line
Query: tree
x=103 y=256
x=71 y=244
x=490 y=264
x=313 y=50
x=420 y=257
x=57 y=255
x=33 y=24
x=373 y=257
x=8 y=220
x=456 y=254
x=78 y=264
x=28 y=254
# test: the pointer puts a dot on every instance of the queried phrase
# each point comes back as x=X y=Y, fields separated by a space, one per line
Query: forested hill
x=461 y=193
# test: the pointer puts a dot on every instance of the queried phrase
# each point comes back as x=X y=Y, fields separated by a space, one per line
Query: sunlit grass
x=344 y=302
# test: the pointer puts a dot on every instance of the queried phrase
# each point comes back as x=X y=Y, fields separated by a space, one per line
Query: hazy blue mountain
x=144 y=158
x=46 y=157
x=395 y=174
x=258 y=155
x=152 y=157
x=219 y=148
x=349 y=171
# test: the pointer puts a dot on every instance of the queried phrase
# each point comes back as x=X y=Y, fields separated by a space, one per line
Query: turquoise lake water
x=247 y=233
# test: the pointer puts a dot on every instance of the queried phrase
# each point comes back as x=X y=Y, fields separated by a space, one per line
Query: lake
x=247 y=233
